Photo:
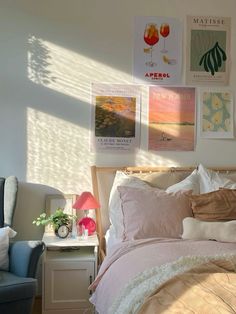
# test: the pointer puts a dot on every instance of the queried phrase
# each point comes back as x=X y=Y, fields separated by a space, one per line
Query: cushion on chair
x=13 y=288
x=5 y=234
x=10 y=194
x=2 y=181
x=24 y=256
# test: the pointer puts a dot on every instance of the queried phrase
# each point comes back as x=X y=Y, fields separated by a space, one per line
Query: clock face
x=63 y=231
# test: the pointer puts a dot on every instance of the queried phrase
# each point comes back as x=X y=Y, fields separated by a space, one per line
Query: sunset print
x=171 y=118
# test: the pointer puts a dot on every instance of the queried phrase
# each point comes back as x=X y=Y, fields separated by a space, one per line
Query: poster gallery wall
x=175 y=112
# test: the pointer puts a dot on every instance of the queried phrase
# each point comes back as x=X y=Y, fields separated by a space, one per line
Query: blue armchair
x=17 y=285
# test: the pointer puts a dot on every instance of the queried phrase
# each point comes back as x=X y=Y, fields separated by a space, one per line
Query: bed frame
x=102 y=179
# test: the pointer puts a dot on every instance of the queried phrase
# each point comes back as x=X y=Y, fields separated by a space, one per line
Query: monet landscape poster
x=115 y=117
x=171 y=118
x=216 y=114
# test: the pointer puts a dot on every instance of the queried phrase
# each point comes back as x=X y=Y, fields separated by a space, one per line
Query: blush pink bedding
x=126 y=260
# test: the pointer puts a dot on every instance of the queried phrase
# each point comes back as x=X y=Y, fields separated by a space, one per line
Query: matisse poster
x=217 y=114
x=157 y=50
x=171 y=118
x=115 y=117
x=208 y=50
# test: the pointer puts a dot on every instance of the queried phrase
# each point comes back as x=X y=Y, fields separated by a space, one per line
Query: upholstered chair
x=18 y=284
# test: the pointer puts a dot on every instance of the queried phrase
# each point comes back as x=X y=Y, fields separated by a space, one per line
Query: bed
x=167 y=240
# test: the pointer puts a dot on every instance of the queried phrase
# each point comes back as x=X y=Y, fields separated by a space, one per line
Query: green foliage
x=58 y=218
x=213 y=59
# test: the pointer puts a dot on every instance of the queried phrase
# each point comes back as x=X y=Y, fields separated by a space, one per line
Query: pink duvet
x=128 y=259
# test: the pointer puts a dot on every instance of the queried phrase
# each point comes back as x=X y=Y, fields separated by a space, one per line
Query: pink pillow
x=151 y=212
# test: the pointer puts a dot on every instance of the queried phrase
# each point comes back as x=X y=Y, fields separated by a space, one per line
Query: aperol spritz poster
x=208 y=50
x=171 y=118
x=157 y=50
x=115 y=117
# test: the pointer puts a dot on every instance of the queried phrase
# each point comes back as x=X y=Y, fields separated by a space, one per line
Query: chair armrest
x=24 y=257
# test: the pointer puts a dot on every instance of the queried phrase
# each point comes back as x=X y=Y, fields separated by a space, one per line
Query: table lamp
x=85 y=202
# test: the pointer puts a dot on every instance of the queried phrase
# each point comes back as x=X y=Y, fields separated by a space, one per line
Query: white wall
x=50 y=52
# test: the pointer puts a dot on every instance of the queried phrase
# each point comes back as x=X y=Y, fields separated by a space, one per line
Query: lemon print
x=216 y=113
x=217 y=117
x=207 y=125
x=216 y=102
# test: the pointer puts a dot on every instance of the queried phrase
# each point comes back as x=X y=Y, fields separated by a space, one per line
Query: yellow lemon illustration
x=207 y=125
x=217 y=117
x=216 y=102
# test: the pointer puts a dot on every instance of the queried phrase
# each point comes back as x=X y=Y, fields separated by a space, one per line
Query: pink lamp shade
x=86 y=201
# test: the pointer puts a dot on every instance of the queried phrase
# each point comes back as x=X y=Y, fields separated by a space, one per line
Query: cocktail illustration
x=164 y=31
x=151 y=37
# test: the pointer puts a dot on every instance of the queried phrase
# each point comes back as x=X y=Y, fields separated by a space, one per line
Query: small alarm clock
x=63 y=231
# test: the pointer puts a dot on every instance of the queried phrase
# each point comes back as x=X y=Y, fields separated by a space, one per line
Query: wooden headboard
x=102 y=180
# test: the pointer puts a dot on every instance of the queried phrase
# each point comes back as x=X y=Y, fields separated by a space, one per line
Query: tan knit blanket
x=209 y=288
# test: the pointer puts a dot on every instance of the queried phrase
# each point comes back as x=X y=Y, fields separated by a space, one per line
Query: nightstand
x=69 y=266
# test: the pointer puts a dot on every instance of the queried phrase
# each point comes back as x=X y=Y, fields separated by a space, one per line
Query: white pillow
x=211 y=180
x=5 y=234
x=189 y=183
x=115 y=210
x=194 y=229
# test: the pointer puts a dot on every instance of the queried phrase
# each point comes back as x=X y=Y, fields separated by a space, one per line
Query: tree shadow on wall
x=38 y=61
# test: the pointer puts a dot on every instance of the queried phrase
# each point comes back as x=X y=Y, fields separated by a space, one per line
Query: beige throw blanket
x=209 y=288
x=196 y=285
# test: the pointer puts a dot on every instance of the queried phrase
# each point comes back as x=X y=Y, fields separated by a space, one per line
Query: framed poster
x=115 y=117
x=208 y=50
x=171 y=118
x=157 y=50
x=216 y=114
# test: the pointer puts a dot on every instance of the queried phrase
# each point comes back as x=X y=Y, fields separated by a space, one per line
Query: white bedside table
x=69 y=266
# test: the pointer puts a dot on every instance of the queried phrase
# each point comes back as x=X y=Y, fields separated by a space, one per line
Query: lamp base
x=86 y=223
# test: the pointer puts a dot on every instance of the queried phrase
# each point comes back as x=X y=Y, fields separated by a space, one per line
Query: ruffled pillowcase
x=5 y=234
x=150 y=213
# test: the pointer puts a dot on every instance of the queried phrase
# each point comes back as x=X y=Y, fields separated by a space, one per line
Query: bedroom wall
x=50 y=53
